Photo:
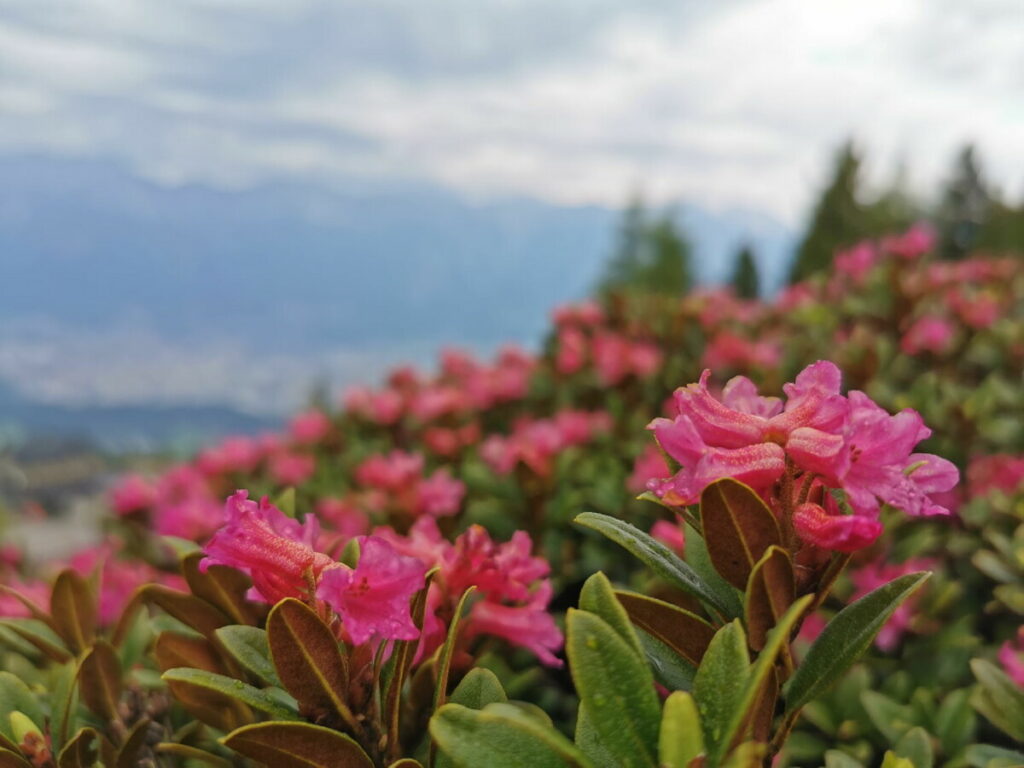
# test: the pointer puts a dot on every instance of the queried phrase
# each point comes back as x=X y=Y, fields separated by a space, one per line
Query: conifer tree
x=652 y=255
x=965 y=208
x=745 y=281
x=838 y=219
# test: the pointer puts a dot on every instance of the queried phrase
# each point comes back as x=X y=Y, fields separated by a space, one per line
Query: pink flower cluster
x=535 y=443
x=614 y=356
x=463 y=387
x=728 y=349
x=820 y=437
x=998 y=472
x=511 y=583
x=283 y=558
x=400 y=484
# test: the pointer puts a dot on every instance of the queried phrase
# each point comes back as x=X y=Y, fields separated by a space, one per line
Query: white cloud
x=740 y=105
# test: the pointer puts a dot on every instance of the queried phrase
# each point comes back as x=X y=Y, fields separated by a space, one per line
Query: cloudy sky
x=736 y=103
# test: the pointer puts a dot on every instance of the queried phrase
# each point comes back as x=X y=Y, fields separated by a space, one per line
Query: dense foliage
x=828 y=571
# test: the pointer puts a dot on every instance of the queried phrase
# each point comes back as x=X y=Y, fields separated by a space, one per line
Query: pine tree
x=745 y=281
x=652 y=256
x=838 y=220
x=965 y=208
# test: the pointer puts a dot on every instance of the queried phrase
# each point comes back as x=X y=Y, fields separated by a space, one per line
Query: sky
x=736 y=103
x=525 y=122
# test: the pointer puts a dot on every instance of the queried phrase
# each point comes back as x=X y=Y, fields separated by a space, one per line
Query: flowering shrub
x=394 y=571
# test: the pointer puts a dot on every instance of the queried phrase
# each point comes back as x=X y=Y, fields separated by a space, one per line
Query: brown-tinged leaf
x=173 y=650
x=13 y=760
x=82 y=751
x=771 y=590
x=192 y=611
x=406 y=762
x=73 y=609
x=684 y=632
x=223 y=587
x=297 y=745
x=738 y=529
x=99 y=677
x=127 y=755
x=764 y=710
x=309 y=662
x=193 y=754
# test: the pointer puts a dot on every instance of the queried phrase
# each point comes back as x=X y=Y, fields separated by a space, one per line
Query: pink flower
x=234 y=454
x=384 y=407
x=289 y=468
x=730 y=350
x=393 y=471
x=874 y=575
x=611 y=357
x=344 y=517
x=36 y=590
x=999 y=472
x=830 y=529
x=372 y=599
x=440 y=494
x=309 y=427
x=185 y=506
x=857 y=261
x=931 y=333
x=650 y=465
x=1011 y=656
x=529 y=626
x=914 y=243
x=275 y=551
x=571 y=354
x=132 y=493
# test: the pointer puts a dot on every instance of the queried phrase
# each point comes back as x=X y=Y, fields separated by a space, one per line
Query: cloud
x=734 y=104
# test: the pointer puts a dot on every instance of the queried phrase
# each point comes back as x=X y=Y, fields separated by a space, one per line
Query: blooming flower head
x=275 y=551
x=309 y=427
x=372 y=599
x=930 y=333
x=132 y=493
x=818 y=435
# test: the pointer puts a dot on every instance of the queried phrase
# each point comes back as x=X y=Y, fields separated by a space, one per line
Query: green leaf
x=15 y=696
x=835 y=758
x=891 y=760
x=598 y=597
x=955 y=723
x=63 y=703
x=669 y=668
x=309 y=662
x=891 y=718
x=285 y=501
x=655 y=555
x=719 y=685
x=999 y=699
x=681 y=738
x=988 y=756
x=192 y=754
x=696 y=555
x=738 y=528
x=236 y=689
x=756 y=679
x=397 y=668
x=249 y=647
x=684 y=632
x=190 y=610
x=444 y=662
x=128 y=753
x=846 y=638
x=501 y=736
x=916 y=746
x=770 y=591
x=615 y=685
x=588 y=739
x=222 y=587
x=478 y=688
x=40 y=636
x=297 y=745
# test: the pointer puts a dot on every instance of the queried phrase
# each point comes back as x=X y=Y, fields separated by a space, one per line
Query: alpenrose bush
x=416 y=548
